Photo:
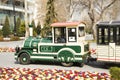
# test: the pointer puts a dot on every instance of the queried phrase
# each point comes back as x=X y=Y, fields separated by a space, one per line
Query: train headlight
x=34 y=50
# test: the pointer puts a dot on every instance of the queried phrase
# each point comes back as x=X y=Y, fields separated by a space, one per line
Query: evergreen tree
x=1 y=33
x=38 y=29
x=50 y=18
x=18 y=24
x=6 y=28
x=22 y=29
x=34 y=28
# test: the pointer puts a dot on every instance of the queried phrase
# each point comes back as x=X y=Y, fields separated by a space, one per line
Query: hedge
x=115 y=73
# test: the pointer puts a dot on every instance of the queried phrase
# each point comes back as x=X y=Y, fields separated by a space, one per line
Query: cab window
x=72 y=35
x=60 y=35
x=81 y=32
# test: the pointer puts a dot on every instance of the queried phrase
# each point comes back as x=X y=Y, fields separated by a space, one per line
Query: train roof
x=109 y=23
x=66 y=24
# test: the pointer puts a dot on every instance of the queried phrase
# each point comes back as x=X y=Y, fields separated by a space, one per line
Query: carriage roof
x=66 y=24
x=108 y=23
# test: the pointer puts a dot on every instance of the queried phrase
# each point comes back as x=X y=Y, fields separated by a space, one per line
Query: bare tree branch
x=106 y=7
x=113 y=1
x=96 y=9
x=73 y=9
x=84 y=3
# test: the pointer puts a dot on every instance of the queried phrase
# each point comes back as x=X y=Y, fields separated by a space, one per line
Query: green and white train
x=66 y=45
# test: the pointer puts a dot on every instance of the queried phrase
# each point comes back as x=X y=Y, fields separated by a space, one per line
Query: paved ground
x=7 y=60
x=11 y=43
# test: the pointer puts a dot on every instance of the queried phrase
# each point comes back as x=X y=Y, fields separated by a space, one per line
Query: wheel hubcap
x=24 y=59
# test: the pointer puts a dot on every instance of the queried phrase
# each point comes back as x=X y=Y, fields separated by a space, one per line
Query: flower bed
x=7 y=49
x=43 y=74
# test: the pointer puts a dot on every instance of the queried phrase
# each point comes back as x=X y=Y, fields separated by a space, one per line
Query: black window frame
x=112 y=37
x=70 y=34
x=81 y=29
x=62 y=36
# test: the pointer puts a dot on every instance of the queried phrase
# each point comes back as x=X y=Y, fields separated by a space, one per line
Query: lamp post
x=14 y=17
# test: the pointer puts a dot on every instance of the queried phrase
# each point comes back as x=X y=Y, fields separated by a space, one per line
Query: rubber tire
x=67 y=64
x=87 y=60
x=81 y=64
x=24 y=56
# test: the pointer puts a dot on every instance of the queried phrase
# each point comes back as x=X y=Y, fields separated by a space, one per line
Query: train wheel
x=24 y=58
x=86 y=61
x=81 y=64
x=67 y=64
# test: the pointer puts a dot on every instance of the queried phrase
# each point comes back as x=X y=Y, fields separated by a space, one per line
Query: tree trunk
x=94 y=31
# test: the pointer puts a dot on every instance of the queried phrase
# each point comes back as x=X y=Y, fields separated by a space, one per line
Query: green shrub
x=1 y=33
x=22 y=29
x=1 y=38
x=18 y=24
x=6 y=28
x=115 y=73
x=14 y=38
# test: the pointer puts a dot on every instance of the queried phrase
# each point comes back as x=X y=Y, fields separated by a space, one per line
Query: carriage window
x=103 y=36
x=110 y=34
x=115 y=37
x=72 y=35
x=60 y=35
x=81 y=32
x=118 y=36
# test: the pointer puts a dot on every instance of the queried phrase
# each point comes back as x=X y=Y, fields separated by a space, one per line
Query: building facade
x=14 y=9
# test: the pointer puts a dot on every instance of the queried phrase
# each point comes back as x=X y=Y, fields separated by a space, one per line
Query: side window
x=102 y=37
x=72 y=35
x=115 y=35
x=118 y=36
x=81 y=32
x=60 y=35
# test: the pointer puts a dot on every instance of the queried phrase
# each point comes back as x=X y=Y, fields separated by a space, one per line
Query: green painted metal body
x=44 y=49
x=56 y=48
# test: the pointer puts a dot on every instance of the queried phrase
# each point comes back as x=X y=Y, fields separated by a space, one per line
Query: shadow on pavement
x=45 y=63
x=49 y=63
x=103 y=65
x=93 y=64
x=42 y=63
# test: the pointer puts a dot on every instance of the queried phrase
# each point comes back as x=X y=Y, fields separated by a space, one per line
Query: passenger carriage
x=108 y=42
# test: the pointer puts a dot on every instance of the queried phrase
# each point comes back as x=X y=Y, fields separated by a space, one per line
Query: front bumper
x=16 y=56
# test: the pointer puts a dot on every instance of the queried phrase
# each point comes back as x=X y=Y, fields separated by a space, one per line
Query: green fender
x=24 y=51
x=66 y=55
